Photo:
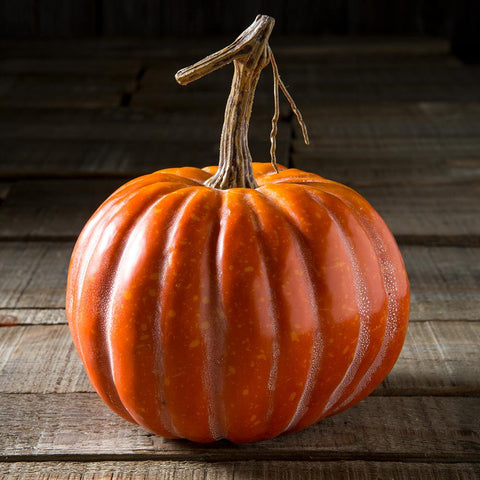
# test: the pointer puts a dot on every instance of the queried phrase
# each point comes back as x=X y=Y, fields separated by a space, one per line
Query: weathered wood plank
x=127 y=124
x=376 y=161
x=438 y=358
x=37 y=158
x=391 y=120
x=33 y=274
x=56 y=92
x=444 y=281
x=40 y=359
x=200 y=102
x=383 y=92
x=50 y=206
x=444 y=213
x=32 y=316
x=248 y=470
x=393 y=428
x=451 y=211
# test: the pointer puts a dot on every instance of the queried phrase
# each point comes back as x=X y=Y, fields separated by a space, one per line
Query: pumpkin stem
x=249 y=53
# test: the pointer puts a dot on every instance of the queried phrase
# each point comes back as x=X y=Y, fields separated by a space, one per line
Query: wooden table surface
x=398 y=119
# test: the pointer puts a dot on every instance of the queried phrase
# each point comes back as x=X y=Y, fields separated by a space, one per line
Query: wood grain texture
x=384 y=92
x=248 y=470
x=118 y=142
x=438 y=358
x=128 y=124
x=33 y=275
x=392 y=120
x=32 y=316
x=375 y=161
x=53 y=208
x=50 y=158
x=40 y=359
x=78 y=425
x=444 y=281
x=443 y=213
x=448 y=210
x=397 y=119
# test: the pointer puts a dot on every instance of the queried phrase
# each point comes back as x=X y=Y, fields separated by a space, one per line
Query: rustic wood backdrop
x=187 y=17
x=457 y=20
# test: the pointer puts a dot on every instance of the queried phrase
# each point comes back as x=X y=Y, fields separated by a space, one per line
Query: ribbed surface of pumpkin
x=204 y=314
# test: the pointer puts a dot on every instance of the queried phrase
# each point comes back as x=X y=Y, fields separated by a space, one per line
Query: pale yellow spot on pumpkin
x=171 y=313
x=245 y=392
x=231 y=370
x=230 y=267
x=346 y=349
x=205 y=300
x=195 y=217
x=294 y=336
x=127 y=295
x=194 y=343
x=298 y=272
x=292 y=396
x=253 y=418
x=166 y=381
x=195 y=297
x=248 y=269
x=262 y=356
x=204 y=325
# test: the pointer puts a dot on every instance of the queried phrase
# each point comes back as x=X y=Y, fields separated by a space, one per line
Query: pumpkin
x=236 y=302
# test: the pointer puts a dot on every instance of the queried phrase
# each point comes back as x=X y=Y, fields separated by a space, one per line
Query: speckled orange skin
x=204 y=314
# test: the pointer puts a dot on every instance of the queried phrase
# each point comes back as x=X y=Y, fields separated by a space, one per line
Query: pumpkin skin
x=244 y=313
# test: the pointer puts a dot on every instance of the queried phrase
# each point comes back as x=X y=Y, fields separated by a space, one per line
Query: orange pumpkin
x=203 y=312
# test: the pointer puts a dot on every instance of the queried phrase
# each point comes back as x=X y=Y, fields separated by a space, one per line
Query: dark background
x=457 y=20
